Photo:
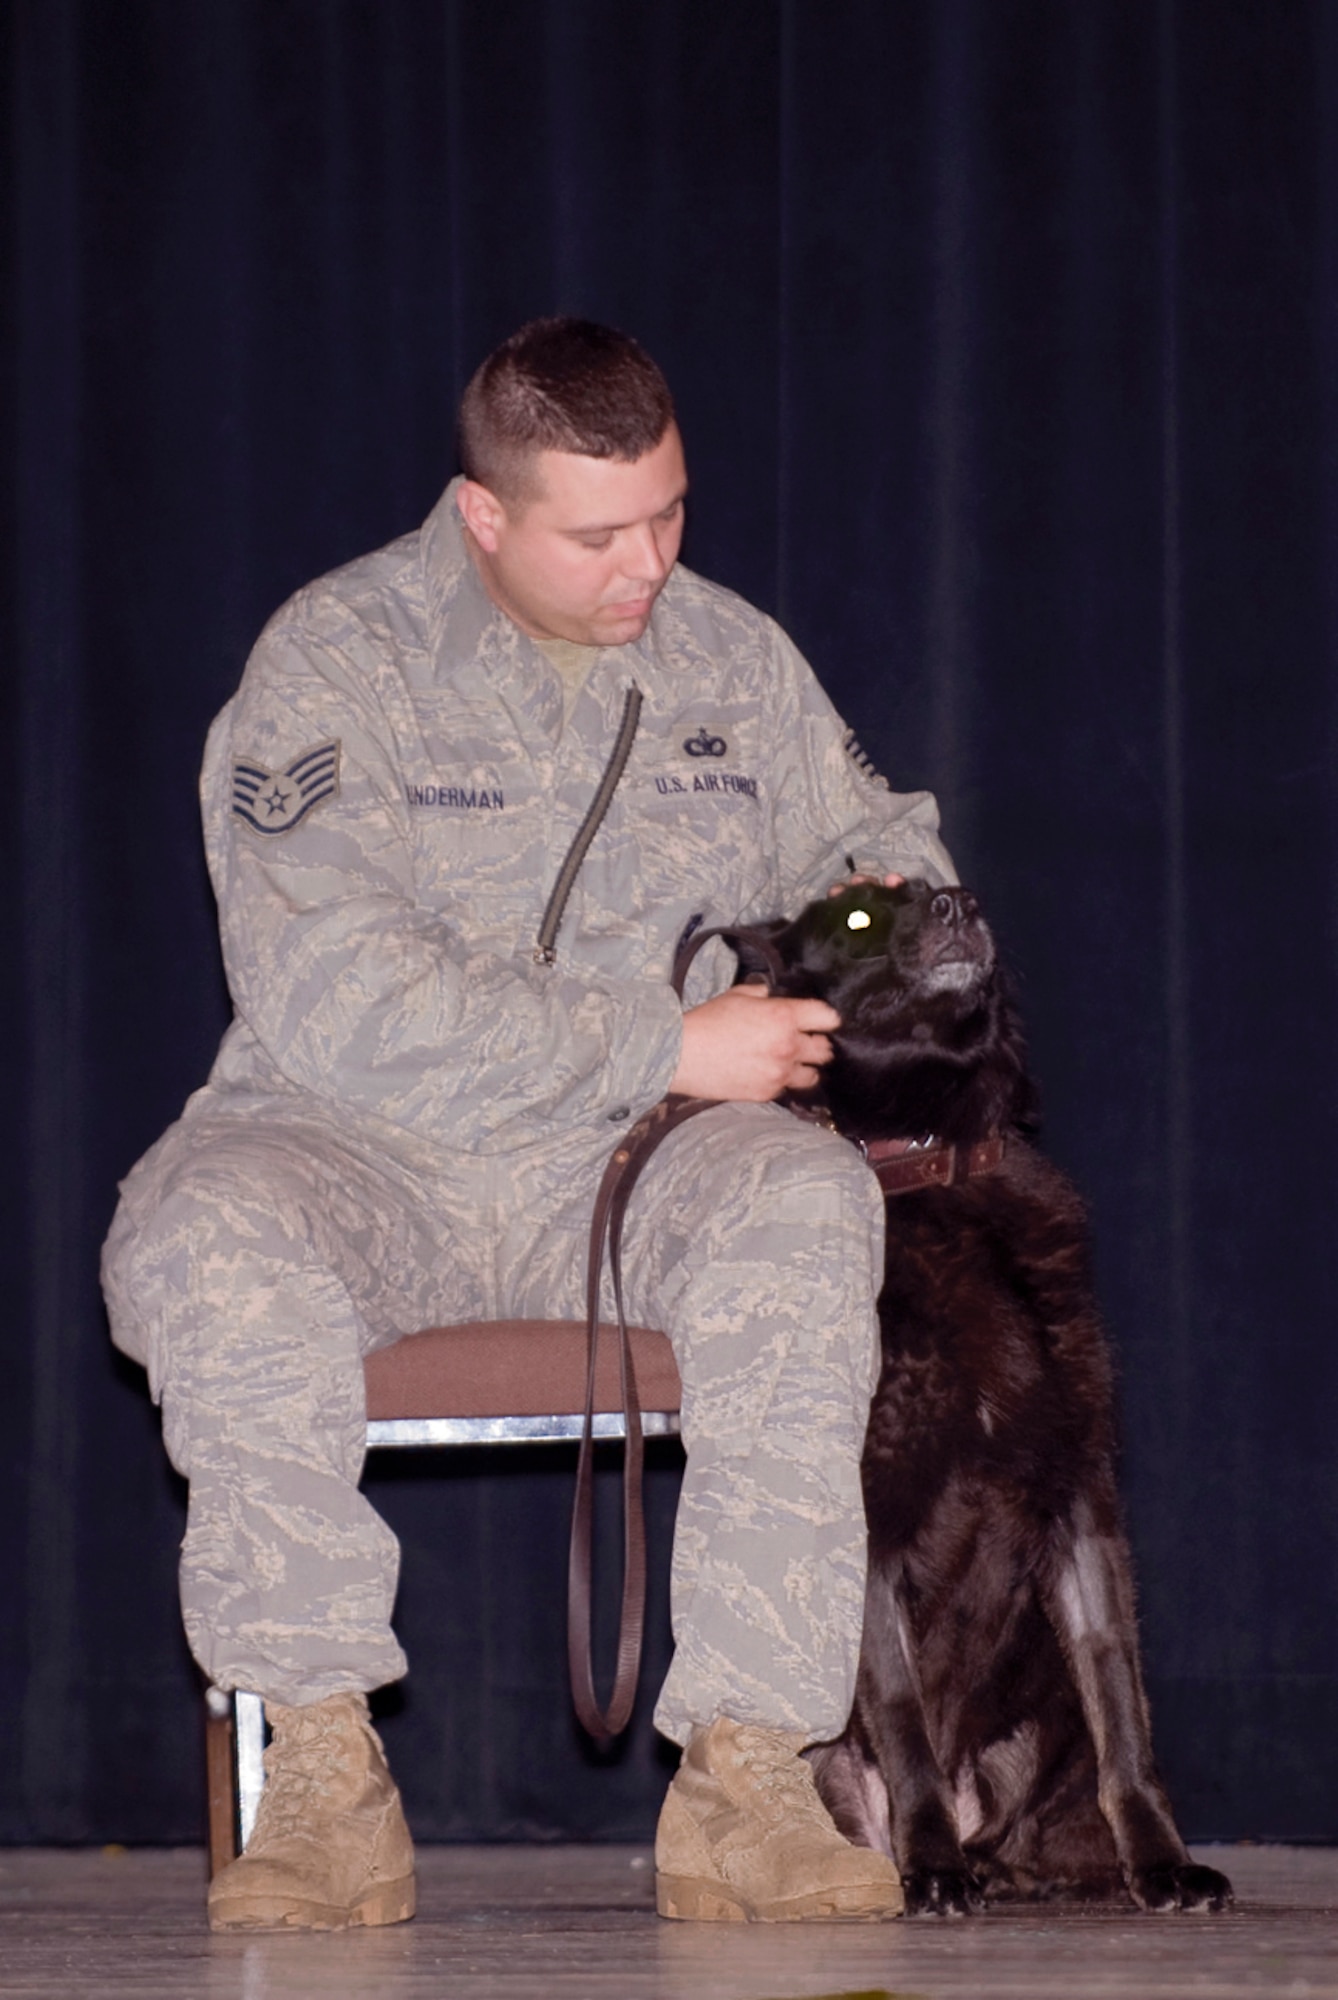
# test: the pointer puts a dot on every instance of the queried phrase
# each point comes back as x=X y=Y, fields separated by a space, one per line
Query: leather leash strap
x=620 y=1176
x=615 y=1191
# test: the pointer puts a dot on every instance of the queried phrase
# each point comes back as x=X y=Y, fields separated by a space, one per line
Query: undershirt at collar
x=572 y=663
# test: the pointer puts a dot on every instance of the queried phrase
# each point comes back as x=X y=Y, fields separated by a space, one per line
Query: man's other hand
x=888 y=882
x=746 y=1046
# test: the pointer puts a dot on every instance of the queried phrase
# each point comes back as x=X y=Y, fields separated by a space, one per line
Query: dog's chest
x=956 y=1306
x=977 y=1381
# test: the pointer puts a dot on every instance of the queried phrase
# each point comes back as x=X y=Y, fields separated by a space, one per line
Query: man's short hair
x=559 y=385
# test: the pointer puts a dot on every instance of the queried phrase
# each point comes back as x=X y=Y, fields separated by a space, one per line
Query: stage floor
x=530 y=1923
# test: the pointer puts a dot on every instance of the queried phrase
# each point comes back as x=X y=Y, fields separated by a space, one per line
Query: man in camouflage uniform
x=410 y=1113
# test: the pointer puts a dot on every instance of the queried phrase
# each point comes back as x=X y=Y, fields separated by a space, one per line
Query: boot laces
x=308 y=1757
x=783 y=1778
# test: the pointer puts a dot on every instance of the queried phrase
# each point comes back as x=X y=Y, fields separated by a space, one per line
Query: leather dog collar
x=904 y=1164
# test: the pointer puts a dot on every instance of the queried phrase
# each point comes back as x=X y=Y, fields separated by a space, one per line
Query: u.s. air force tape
x=275 y=801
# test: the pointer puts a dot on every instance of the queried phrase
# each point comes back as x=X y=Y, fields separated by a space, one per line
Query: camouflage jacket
x=391 y=792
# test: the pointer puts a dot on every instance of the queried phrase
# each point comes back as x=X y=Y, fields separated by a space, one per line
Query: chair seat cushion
x=513 y=1368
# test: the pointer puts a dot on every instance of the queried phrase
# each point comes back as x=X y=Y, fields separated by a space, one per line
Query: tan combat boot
x=329 y=1847
x=744 y=1837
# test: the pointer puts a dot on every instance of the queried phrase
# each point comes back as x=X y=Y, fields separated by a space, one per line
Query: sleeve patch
x=863 y=764
x=275 y=801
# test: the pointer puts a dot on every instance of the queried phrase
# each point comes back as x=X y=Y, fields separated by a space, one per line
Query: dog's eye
x=858 y=920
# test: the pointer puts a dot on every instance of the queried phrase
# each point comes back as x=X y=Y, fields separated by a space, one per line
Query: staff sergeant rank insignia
x=274 y=801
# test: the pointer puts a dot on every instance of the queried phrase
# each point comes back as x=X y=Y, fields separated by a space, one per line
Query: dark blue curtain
x=1004 y=337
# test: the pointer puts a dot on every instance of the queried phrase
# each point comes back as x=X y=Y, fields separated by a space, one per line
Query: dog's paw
x=1180 y=1886
x=941 y=1892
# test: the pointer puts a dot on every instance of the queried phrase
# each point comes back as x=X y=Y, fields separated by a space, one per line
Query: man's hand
x=746 y=1046
x=889 y=882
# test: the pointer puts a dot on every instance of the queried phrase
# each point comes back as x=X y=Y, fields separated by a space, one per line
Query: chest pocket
x=477 y=818
x=689 y=817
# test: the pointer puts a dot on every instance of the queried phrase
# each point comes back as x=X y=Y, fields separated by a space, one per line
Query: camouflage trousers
x=254 y=1261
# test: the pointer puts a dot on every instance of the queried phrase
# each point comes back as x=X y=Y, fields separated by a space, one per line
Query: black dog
x=999 y=1746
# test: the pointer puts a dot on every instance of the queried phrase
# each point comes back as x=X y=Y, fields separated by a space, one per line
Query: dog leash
x=615 y=1191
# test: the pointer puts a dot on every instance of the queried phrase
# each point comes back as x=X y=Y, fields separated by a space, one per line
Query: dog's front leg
x=1090 y=1600
x=889 y=1704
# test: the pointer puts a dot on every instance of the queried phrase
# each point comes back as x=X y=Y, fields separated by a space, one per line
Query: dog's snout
x=953 y=906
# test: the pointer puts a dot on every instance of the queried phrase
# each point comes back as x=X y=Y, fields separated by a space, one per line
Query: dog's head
x=929 y=1041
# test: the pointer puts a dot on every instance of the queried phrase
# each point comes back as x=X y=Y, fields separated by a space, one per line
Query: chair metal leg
x=249 y=1725
x=235 y=1763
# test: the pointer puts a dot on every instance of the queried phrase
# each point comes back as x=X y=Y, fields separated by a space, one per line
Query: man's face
x=588 y=555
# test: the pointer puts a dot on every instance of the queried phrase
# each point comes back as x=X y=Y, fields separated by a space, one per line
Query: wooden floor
x=509 y=1923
